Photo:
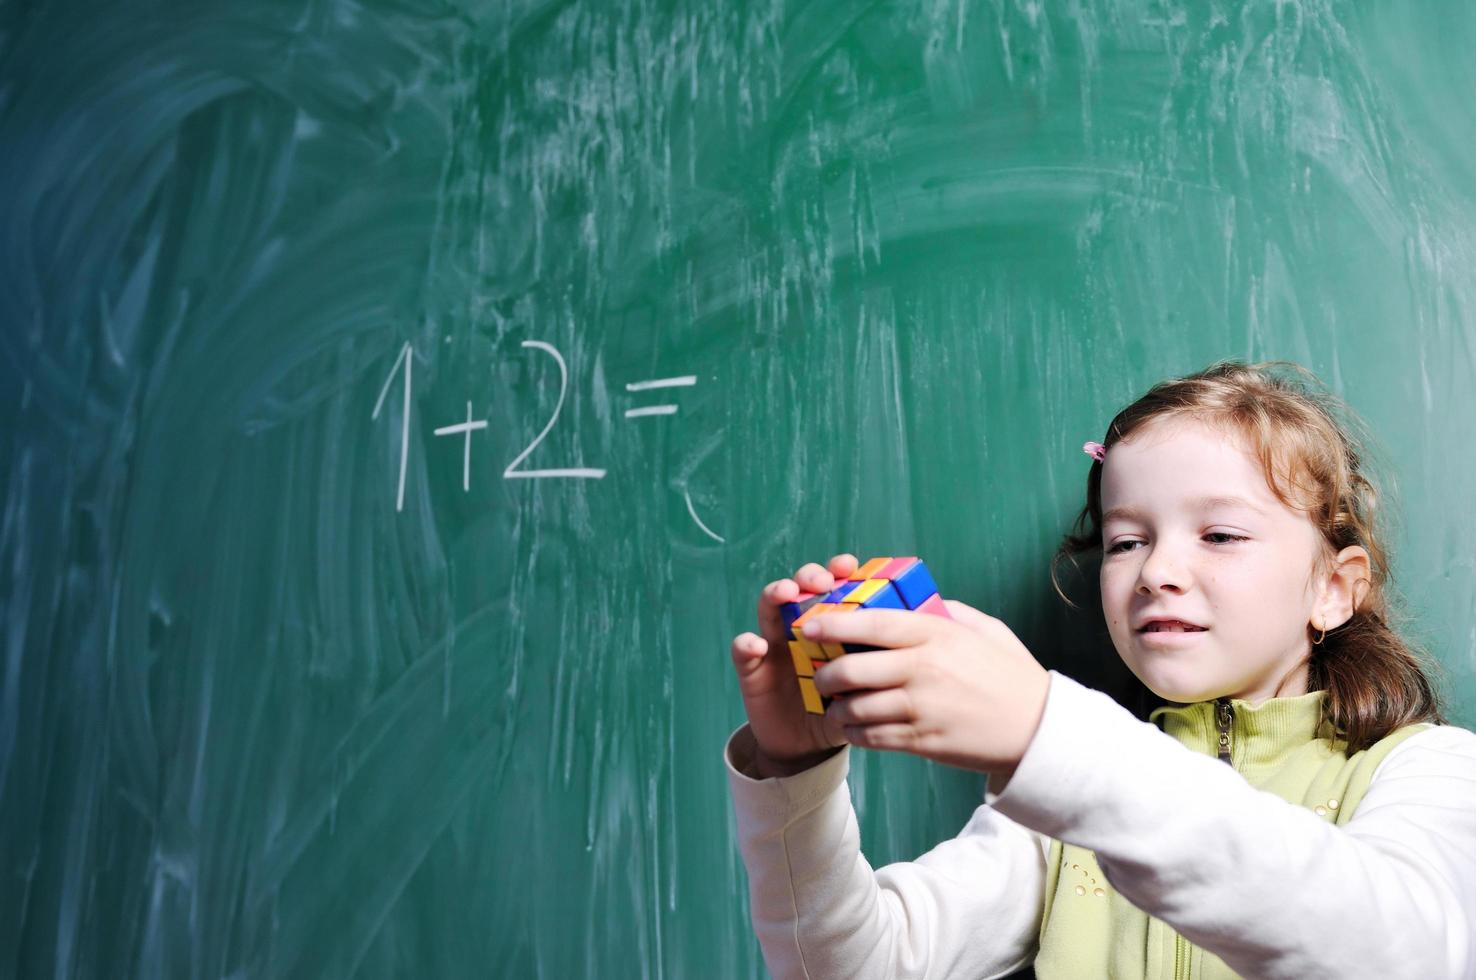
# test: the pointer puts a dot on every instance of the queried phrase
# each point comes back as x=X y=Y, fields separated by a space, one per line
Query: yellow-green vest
x=1281 y=746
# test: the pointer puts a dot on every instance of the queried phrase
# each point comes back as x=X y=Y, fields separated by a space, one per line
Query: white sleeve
x=1269 y=887
x=969 y=907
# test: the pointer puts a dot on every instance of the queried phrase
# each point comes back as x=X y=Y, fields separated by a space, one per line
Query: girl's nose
x=1162 y=571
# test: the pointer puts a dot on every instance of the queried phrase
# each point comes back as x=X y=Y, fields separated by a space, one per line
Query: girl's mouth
x=1171 y=626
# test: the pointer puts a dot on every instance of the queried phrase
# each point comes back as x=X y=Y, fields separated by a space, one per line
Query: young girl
x=1296 y=808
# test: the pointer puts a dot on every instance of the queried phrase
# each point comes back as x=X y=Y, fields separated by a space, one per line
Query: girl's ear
x=1345 y=588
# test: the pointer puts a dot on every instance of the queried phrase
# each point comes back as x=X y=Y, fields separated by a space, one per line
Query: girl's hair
x=1304 y=438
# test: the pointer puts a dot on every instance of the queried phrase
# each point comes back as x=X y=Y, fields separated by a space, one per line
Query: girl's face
x=1192 y=532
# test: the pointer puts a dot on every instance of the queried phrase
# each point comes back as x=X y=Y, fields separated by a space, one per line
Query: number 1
x=408 y=357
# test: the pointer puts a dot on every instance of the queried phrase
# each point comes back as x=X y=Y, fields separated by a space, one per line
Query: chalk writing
x=470 y=425
x=583 y=473
x=683 y=381
x=407 y=357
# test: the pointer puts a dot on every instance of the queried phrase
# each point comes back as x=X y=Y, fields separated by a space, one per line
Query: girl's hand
x=967 y=693
x=789 y=739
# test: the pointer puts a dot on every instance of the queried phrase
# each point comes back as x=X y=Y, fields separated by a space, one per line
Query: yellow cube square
x=865 y=590
x=811 y=696
x=803 y=666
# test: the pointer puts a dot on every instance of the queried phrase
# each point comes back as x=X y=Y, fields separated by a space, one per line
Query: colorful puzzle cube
x=881 y=583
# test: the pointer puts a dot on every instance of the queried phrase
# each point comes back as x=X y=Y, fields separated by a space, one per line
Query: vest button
x=1081 y=889
x=1321 y=811
x=1332 y=804
x=1098 y=892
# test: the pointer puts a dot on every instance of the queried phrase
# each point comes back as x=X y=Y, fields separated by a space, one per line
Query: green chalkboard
x=404 y=402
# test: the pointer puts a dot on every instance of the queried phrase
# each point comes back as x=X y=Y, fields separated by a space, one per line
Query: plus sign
x=468 y=427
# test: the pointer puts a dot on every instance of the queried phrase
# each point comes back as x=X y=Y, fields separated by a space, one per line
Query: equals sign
x=685 y=381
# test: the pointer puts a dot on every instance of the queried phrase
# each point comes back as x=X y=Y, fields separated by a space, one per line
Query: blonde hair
x=1304 y=438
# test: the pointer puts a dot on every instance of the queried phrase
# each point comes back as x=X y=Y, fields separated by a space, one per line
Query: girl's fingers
x=780 y=590
x=875 y=671
x=893 y=705
x=748 y=650
x=774 y=595
x=844 y=565
x=894 y=737
x=812 y=578
x=874 y=627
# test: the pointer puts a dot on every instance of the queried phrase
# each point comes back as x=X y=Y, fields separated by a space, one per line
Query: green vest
x=1280 y=746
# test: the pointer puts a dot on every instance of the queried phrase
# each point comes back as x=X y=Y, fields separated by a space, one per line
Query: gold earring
x=1321 y=637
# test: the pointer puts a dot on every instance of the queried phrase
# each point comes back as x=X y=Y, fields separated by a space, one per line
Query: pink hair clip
x=1095 y=450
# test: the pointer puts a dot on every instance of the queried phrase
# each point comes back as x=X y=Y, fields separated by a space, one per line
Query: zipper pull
x=1225 y=715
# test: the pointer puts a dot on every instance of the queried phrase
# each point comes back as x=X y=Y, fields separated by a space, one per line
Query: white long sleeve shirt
x=1265 y=885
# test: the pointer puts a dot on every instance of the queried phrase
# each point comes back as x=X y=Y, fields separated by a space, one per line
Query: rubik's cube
x=882 y=583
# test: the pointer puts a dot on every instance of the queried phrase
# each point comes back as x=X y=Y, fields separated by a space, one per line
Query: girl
x=1297 y=808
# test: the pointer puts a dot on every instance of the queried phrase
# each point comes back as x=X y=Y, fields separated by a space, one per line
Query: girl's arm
x=1269 y=887
x=969 y=907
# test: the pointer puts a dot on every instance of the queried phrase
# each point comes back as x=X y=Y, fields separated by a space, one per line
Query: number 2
x=512 y=472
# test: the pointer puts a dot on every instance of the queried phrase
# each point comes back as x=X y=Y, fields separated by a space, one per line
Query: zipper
x=1225 y=716
x=1224 y=721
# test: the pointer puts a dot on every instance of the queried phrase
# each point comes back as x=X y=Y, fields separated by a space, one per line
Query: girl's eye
x=1123 y=546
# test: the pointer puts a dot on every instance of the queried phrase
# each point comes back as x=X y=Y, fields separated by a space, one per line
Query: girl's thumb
x=748 y=653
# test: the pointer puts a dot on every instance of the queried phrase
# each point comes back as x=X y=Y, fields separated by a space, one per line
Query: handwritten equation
x=469 y=426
